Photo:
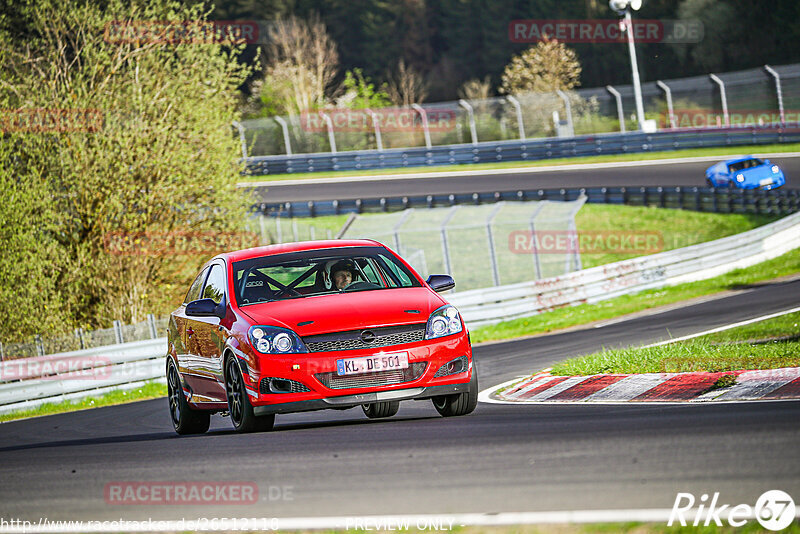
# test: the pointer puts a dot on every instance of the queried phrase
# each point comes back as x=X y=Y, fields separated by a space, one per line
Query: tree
x=546 y=67
x=117 y=125
x=302 y=65
x=406 y=85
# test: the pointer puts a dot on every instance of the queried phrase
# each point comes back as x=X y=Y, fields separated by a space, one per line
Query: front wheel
x=185 y=420
x=459 y=403
x=239 y=407
x=378 y=410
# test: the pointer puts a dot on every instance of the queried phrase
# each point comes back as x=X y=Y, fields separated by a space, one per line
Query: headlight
x=443 y=322
x=275 y=340
x=775 y=169
x=740 y=178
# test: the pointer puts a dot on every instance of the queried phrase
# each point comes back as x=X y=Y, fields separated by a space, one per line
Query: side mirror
x=205 y=308
x=766 y=162
x=441 y=282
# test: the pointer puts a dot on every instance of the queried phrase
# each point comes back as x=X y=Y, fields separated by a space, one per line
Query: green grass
x=786 y=264
x=676 y=228
x=689 y=153
x=151 y=390
x=774 y=344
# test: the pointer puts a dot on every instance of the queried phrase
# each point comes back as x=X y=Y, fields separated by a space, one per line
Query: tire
x=378 y=410
x=239 y=407
x=185 y=420
x=459 y=403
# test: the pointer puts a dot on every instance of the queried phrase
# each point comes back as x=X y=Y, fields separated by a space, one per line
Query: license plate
x=372 y=364
x=765 y=181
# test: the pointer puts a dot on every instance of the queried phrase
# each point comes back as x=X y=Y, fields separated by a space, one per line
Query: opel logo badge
x=367 y=336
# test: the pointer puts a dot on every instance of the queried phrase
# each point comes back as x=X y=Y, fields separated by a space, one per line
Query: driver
x=342 y=273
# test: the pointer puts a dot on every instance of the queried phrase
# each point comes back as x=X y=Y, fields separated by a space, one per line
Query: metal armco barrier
x=698 y=262
x=28 y=382
x=777 y=202
x=528 y=150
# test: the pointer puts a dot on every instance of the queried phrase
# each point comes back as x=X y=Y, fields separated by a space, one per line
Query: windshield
x=318 y=272
x=746 y=164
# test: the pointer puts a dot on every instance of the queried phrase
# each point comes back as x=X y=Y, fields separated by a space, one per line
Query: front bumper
x=349 y=401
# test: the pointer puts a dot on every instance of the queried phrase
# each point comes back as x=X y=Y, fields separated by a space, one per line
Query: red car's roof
x=283 y=248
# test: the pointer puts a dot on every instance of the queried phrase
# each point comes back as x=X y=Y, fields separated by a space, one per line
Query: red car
x=314 y=325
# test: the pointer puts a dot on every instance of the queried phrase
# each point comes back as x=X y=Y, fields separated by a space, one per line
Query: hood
x=754 y=175
x=347 y=311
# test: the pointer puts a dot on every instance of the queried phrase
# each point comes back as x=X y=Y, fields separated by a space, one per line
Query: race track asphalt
x=673 y=174
x=499 y=459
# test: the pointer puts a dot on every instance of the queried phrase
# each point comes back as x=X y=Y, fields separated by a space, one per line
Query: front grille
x=367 y=380
x=384 y=337
x=283 y=385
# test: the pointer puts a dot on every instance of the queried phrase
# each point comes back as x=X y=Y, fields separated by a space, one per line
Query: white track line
x=722 y=328
x=513 y=170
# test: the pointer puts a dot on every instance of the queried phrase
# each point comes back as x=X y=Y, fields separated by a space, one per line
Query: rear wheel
x=185 y=420
x=241 y=411
x=377 y=410
x=459 y=403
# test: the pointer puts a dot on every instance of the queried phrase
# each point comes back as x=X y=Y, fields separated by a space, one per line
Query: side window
x=194 y=289
x=369 y=271
x=215 y=285
x=405 y=280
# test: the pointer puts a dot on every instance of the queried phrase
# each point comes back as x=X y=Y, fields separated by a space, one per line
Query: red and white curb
x=769 y=384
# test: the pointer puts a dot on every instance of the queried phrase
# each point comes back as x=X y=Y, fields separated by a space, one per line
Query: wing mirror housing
x=441 y=282
x=206 y=308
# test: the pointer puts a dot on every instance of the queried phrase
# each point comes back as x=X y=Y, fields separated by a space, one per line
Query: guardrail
x=527 y=150
x=697 y=262
x=778 y=202
x=28 y=382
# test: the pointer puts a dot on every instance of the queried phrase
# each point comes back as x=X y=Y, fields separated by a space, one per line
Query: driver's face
x=342 y=279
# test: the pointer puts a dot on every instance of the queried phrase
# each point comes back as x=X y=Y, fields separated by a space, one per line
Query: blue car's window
x=746 y=164
x=313 y=273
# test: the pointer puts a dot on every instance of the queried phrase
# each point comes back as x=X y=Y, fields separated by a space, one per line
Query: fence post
x=2 y=353
x=295 y=231
x=777 y=77
x=445 y=248
x=376 y=126
x=534 y=249
x=425 y=130
x=285 y=128
x=664 y=87
x=242 y=139
x=718 y=81
x=331 y=137
x=568 y=107
x=471 y=114
x=263 y=226
x=518 y=110
x=490 y=235
x=39 y=345
x=620 y=113
x=118 y=332
x=151 y=323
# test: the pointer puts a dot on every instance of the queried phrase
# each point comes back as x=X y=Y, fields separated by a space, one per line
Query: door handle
x=189 y=332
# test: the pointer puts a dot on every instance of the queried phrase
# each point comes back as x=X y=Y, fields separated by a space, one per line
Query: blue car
x=745 y=172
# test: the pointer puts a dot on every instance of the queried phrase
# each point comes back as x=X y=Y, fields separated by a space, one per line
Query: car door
x=207 y=337
x=181 y=340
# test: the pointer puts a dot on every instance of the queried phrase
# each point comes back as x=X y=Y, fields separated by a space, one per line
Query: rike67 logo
x=774 y=510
